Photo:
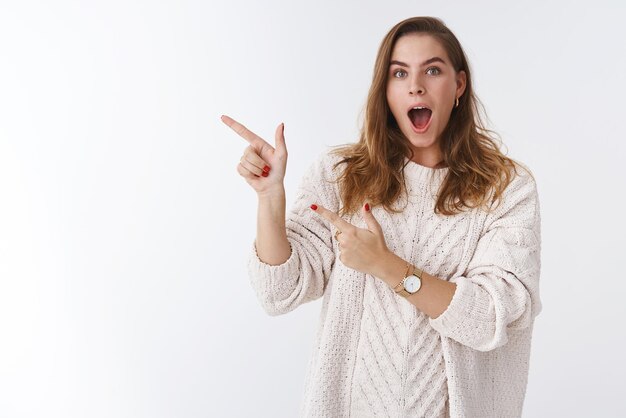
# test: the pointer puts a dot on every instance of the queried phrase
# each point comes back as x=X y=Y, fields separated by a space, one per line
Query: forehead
x=414 y=48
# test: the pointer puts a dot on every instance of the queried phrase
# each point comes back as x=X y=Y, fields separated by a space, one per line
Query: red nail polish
x=314 y=207
x=265 y=174
x=266 y=169
x=367 y=207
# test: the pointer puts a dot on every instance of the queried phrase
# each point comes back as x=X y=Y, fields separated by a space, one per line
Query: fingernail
x=314 y=207
x=283 y=127
x=265 y=174
x=266 y=169
x=367 y=207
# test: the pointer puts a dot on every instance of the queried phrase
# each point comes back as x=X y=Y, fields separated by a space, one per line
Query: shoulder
x=326 y=166
x=519 y=202
x=522 y=182
x=320 y=181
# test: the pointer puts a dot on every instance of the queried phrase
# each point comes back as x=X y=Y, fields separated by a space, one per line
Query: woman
x=423 y=239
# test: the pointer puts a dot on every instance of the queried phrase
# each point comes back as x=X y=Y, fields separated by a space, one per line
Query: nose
x=416 y=90
x=416 y=87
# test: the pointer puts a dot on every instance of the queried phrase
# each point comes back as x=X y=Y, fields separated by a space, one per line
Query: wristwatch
x=411 y=284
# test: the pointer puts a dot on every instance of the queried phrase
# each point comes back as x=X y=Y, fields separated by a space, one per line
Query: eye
x=433 y=71
x=399 y=73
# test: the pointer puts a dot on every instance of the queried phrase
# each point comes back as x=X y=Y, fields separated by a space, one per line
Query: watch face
x=412 y=284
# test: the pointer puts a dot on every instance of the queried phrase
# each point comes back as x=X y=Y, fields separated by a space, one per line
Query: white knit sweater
x=375 y=353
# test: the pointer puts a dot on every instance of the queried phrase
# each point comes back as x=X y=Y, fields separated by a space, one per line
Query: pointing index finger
x=333 y=218
x=254 y=140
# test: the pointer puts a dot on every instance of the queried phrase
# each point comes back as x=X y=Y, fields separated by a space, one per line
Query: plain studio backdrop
x=125 y=228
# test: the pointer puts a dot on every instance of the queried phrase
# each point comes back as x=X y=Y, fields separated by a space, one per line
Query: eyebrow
x=428 y=61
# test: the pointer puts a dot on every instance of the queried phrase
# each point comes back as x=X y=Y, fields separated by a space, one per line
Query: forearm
x=271 y=239
x=434 y=295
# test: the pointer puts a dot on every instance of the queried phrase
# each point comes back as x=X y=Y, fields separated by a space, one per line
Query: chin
x=425 y=140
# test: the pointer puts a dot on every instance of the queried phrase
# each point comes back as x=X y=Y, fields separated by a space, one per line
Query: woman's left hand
x=360 y=249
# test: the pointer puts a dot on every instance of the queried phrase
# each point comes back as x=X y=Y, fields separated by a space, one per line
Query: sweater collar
x=416 y=173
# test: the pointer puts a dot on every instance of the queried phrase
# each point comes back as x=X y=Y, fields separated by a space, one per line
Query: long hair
x=478 y=171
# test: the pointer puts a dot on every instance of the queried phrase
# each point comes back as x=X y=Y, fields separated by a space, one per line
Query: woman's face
x=421 y=76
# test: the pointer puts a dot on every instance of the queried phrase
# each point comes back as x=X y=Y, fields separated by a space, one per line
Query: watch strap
x=399 y=288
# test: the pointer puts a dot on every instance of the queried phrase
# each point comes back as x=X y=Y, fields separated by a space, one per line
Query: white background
x=124 y=226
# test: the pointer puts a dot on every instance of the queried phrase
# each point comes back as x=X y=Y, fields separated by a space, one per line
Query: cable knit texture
x=376 y=355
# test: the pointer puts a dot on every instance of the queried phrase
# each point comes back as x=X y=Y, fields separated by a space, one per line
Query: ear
x=461 y=83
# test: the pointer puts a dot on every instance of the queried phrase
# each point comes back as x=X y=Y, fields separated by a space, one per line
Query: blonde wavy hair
x=478 y=172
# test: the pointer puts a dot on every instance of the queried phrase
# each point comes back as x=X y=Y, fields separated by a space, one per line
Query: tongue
x=420 y=117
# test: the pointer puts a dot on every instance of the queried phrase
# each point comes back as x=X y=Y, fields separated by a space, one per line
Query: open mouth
x=420 y=117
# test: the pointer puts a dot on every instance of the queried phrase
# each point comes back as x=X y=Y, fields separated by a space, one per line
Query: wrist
x=391 y=269
x=272 y=194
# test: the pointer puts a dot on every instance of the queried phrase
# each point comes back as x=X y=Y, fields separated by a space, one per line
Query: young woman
x=422 y=237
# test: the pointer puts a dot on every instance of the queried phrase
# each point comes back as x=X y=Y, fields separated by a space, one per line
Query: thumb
x=279 y=139
x=372 y=223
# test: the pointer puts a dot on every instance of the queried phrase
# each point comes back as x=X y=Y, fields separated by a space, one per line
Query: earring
x=457 y=102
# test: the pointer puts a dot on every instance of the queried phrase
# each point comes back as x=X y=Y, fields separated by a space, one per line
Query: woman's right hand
x=261 y=165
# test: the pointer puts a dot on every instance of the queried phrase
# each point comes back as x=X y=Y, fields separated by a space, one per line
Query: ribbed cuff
x=272 y=281
x=453 y=322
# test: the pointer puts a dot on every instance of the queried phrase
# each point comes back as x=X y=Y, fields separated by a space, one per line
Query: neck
x=430 y=157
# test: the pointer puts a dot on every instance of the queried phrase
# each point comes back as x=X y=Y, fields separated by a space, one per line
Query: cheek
x=445 y=97
x=389 y=96
x=392 y=99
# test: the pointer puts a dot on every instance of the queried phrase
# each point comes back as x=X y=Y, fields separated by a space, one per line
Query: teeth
x=419 y=107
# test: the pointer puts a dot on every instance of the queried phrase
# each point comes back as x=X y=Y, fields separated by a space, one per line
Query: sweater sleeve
x=304 y=276
x=499 y=291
